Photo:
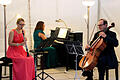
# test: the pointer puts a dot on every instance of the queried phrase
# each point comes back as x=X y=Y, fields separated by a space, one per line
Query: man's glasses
x=100 y=24
x=21 y=24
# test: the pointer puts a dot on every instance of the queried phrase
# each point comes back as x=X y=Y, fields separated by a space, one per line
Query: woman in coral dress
x=23 y=66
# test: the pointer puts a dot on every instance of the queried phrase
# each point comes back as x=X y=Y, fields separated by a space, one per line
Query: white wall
x=71 y=11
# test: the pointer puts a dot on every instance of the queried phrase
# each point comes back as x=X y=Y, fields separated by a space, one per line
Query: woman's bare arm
x=42 y=36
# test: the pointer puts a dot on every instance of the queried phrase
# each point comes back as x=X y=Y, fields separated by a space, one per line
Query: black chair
x=42 y=74
x=7 y=63
x=107 y=72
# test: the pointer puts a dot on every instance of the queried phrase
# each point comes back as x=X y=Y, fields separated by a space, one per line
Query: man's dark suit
x=108 y=56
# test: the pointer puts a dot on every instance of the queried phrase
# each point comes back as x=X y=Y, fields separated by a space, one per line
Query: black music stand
x=40 y=51
x=74 y=47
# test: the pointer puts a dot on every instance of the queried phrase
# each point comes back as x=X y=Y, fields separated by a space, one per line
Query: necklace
x=18 y=31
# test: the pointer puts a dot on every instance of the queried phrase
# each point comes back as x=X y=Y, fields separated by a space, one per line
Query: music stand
x=42 y=68
x=74 y=47
x=39 y=51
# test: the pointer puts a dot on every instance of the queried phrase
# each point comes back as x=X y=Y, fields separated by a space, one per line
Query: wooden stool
x=107 y=73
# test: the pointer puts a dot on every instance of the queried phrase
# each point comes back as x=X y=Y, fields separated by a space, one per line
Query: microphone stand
x=25 y=44
x=92 y=31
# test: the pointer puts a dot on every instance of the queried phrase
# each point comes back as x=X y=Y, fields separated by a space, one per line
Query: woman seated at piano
x=39 y=36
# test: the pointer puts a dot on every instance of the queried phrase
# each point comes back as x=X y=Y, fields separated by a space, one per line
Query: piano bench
x=10 y=70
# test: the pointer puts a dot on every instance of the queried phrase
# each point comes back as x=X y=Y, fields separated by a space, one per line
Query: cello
x=90 y=60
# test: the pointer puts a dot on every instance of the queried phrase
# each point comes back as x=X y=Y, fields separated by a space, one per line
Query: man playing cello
x=107 y=57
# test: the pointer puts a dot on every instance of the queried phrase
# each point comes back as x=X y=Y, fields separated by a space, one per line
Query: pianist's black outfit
x=107 y=57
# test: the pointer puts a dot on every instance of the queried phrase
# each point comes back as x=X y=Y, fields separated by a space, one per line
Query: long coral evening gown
x=23 y=67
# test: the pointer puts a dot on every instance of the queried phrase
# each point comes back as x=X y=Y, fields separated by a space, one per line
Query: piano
x=65 y=58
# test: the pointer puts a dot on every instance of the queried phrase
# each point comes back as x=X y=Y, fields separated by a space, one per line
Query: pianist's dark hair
x=39 y=25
